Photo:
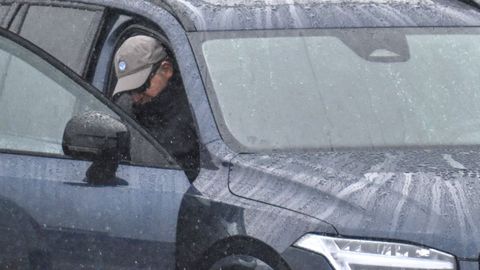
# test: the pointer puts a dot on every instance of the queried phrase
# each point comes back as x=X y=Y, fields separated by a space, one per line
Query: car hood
x=427 y=197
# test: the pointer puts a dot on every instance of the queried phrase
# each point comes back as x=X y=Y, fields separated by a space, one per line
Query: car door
x=49 y=216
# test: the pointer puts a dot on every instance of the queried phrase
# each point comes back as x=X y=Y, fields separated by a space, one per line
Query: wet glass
x=74 y=28
x=36 y=102
x=345 y=88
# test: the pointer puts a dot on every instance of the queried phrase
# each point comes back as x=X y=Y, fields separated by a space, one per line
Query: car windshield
x=344 y=88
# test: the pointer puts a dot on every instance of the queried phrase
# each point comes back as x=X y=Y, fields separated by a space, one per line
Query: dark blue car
x=332 y=134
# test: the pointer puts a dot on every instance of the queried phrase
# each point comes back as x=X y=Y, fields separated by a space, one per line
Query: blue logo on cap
x=122 y=66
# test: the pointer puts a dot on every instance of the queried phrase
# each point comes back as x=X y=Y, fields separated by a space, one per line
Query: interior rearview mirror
x=100 y=138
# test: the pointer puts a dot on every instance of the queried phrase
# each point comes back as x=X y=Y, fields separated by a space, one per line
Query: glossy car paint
x=215 y=15
x=74 y=214
x=268 y=201
x=420 y=196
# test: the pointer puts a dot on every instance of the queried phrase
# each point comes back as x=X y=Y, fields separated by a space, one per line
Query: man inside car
x=149 y=89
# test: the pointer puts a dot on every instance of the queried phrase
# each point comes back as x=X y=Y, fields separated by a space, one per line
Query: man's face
x=158 y=83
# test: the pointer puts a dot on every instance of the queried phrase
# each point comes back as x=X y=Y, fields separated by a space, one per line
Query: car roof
x=218 y=15
x=225 y=15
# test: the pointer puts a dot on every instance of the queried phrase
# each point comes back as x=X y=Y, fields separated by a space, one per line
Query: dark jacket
x=168 y=118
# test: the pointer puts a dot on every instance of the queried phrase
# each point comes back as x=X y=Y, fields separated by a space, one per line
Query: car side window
x=67 y=33
x=37 y=101
x=3 y=12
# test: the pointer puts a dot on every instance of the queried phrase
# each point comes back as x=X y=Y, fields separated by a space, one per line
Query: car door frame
x=117 y=28
x=175 y=33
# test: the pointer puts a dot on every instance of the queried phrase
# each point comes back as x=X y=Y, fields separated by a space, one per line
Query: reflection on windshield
x=348 y=88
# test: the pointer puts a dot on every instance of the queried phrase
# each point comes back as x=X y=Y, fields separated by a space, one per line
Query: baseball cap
x=134 y=61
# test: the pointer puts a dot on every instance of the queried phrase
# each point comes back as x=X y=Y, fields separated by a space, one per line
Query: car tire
x=237 y=262
x=242 y=253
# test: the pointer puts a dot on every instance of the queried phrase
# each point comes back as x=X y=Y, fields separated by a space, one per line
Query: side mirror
x=100 y=138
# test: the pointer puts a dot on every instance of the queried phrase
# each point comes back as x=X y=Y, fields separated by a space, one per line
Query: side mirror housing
x=100 y=138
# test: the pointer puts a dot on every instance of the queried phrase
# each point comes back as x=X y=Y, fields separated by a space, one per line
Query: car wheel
x=240 y=253
x=238 y=262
